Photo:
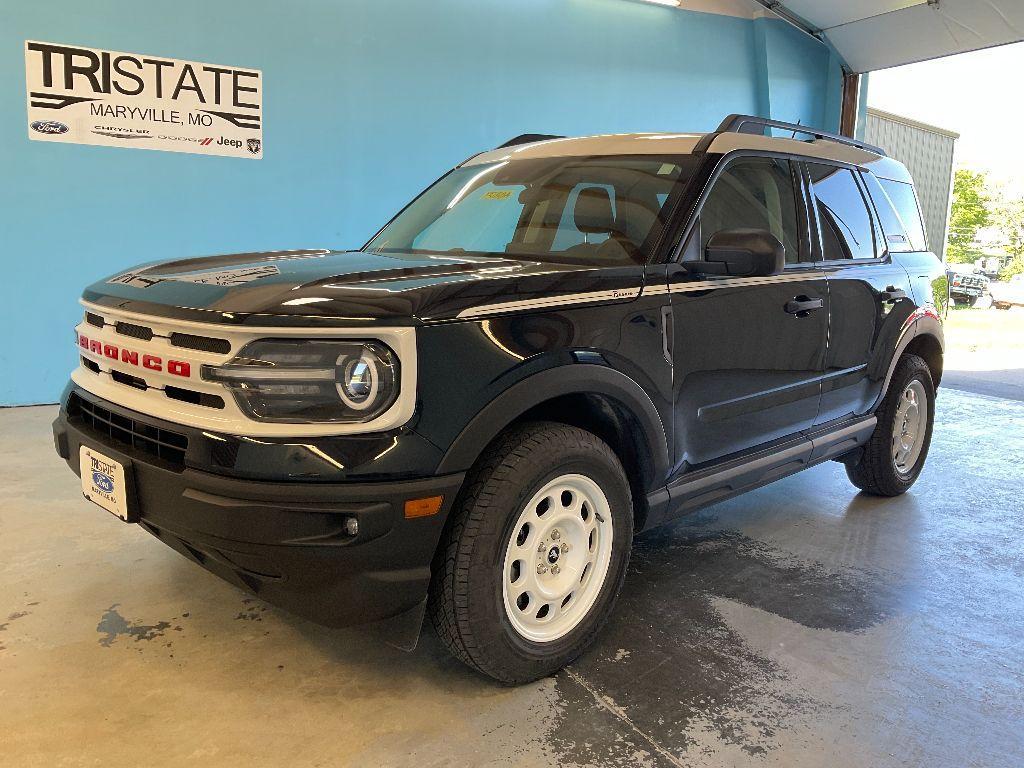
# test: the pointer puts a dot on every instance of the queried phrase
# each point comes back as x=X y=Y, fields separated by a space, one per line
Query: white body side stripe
x=631 y=293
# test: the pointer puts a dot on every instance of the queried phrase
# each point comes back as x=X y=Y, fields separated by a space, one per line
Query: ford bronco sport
x=559 y=344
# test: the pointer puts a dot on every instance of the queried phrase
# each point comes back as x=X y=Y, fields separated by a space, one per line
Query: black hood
x=322 y=287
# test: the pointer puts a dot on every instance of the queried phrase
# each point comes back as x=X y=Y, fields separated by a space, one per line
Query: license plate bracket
x=109 y=483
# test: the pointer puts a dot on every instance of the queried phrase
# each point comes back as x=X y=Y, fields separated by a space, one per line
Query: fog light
x=351 y=526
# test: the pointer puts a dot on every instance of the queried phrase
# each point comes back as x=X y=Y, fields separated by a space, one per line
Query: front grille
x=135 y=331
x=201 y=343
x=161 y=443
x=196 y=398
x=128 y=380
x=93 y=319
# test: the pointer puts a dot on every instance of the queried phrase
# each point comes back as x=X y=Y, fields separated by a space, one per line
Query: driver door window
x=754 y=193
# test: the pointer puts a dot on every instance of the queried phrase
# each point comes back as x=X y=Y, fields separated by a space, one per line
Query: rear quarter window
x=896 y=237
x=904 y=200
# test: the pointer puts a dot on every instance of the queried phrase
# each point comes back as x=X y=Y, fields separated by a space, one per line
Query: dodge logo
x=131 y=357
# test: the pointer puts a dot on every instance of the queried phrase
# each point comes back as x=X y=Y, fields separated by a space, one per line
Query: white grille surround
x=230 y=420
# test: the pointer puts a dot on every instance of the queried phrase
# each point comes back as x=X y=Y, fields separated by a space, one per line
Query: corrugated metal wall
x=927 y=151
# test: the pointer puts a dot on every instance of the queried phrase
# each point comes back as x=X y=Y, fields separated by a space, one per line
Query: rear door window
x=905 y=202
x=844 y=221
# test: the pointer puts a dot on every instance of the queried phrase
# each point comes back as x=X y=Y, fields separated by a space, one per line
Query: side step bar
x=708 y=486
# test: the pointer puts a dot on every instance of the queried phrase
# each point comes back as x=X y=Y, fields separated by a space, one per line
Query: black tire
x=973 y=301
x=875 y=471
x=467 y=608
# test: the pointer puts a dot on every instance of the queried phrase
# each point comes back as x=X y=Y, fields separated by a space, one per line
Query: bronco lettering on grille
x=131 y=357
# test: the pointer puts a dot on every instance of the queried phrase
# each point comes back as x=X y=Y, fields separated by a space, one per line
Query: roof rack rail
x=757 y=125
x=527 y=138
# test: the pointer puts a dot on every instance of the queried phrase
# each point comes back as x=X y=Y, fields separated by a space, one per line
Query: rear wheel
x=895 y=454
x=535 y=553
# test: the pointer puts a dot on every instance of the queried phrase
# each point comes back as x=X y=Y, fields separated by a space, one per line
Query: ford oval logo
x=104 y=482
x=48 y=126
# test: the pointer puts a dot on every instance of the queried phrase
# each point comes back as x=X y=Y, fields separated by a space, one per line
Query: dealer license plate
x=105 y=482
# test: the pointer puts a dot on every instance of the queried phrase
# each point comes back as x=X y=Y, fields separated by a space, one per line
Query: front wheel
x=535 y=553
x=895 y=454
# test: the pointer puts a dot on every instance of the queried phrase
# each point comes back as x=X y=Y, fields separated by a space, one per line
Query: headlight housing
x=302 y=381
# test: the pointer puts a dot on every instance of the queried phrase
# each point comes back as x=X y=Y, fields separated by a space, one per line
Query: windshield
x=591 y=210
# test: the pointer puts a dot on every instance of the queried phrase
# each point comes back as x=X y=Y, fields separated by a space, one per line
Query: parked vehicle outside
x=965 y=285
x=559 y=344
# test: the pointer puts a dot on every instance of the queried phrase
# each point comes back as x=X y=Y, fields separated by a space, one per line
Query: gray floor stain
x=13 y=617
x=251 y=612
x=694 y=671
x=113 y=625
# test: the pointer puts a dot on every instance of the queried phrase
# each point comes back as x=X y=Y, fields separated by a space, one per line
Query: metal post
x=851 y=104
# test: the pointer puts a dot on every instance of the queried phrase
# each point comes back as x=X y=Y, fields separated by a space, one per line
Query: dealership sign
x=92 y=96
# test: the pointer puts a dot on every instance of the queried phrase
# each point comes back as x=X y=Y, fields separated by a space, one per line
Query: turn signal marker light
x=431 y=505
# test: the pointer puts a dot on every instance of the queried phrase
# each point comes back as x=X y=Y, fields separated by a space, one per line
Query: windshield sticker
x=79 y=95
x=498 y=194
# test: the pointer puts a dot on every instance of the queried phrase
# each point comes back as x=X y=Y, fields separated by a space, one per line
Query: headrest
x=593 y=212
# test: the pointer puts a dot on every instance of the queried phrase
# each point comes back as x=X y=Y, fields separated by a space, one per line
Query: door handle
x=892 y=294
x=802 y=306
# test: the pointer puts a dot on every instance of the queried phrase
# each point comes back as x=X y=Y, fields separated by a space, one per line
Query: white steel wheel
x=557 y=558
x=909 y=427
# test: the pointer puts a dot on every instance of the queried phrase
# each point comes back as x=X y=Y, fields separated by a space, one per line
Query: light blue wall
x=364 y=104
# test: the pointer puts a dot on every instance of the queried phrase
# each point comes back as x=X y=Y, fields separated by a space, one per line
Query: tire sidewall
x=915 y=373
x=491 y=624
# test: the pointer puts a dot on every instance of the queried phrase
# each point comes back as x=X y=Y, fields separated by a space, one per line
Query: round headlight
x=359 y=380
x=311 y=381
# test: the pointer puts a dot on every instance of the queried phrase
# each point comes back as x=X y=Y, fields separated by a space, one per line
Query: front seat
x=593 y=215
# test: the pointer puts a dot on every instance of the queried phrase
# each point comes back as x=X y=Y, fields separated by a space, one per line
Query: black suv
x=559 y=344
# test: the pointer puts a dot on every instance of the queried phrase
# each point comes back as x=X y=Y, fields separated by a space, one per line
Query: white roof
x=685 y=143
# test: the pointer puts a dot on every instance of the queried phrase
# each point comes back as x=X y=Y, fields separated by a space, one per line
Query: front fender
x=570 y=379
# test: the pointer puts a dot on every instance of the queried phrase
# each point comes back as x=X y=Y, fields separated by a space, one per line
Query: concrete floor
x=801 y=625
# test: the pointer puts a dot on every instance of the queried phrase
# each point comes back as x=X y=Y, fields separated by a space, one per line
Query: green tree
x=1010 y=220
x=972 y=210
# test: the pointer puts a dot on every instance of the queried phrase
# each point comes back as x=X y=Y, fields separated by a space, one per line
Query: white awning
x=876 y=34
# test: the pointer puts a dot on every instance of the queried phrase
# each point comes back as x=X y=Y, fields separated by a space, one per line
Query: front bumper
x=283 y=541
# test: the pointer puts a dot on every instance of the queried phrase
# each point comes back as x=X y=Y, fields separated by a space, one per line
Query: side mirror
x=741 y=253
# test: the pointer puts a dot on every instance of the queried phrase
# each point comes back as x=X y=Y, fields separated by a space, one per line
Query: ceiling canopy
x=876 y=34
